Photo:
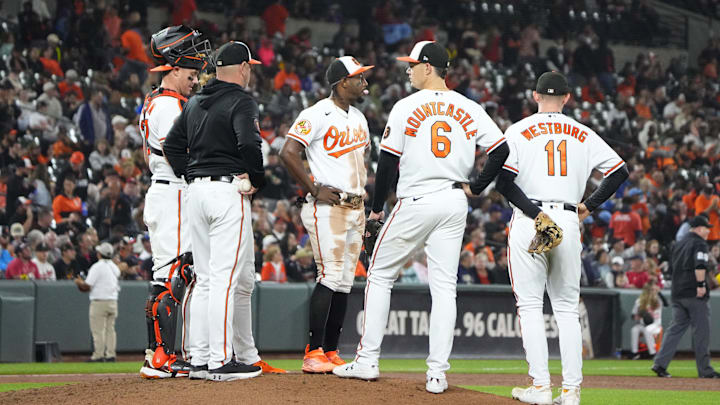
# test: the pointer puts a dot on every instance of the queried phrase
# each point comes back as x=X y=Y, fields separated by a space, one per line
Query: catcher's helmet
x=179 y=46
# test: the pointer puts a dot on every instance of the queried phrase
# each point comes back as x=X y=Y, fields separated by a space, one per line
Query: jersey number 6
x=550 y=149
x=436 y=139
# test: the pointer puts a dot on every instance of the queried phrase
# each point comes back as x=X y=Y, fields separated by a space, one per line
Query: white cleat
x=569 y=396
x=436 y=385
x=534 y=394
x=357 y=370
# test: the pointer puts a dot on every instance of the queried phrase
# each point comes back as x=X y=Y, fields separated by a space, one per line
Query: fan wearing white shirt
x=102 y=283
x=45 y=269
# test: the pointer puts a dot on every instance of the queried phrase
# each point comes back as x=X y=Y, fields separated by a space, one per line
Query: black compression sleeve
x=607 y=187
x=247 y=133
x=492 y=167
x=386 y=172
x=506 y=186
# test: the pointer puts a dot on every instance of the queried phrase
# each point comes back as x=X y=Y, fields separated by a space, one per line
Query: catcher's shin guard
x=150 y=318
x=166 y=307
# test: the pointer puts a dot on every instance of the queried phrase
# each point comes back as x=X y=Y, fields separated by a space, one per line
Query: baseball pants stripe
x=435 y=221
x=559 y=271
x=224 y=267
x=370 y=267
x=336 y=239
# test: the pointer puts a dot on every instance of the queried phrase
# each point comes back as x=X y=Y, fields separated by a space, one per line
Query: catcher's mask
x=179 y=46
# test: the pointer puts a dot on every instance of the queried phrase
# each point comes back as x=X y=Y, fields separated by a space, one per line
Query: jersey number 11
x=550 y=149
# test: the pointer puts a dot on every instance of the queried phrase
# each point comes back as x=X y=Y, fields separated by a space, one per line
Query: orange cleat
x=268 y=369
x=315 y=362
x=334 y=358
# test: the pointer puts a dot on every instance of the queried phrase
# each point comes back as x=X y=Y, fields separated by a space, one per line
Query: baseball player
x=334 y=135
x=551 y=158
x=181 y=56
x=215 y=143
x=433 y=135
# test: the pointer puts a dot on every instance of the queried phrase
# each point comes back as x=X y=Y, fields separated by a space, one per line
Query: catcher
x=181 y=55
x=334 y=136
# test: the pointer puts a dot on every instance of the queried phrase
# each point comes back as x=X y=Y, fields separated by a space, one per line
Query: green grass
x=24 y=386
x=606 y=396
x=678 y=368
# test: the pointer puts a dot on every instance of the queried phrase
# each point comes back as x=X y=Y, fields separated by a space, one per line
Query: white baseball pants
x=559 y=270
x=336 y=236
x=221 y=229
x=435 y=221
x=649 y=332
x=166 y=216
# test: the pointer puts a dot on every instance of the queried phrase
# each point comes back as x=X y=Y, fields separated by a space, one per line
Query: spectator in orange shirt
x=591 y=92
x=287 y=76
x=273 y=269
x=63 y=147
x=136 y=58
x=626 y=224
x=67 y=204
x=477 y=244
x=51 y=65
x=69 y=85
x=708 y=204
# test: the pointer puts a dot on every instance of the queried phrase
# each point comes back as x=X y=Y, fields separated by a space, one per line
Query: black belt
x=566 y=206
x=457 y=185
x=161 y=181
x=156 y=151
x=224 y=179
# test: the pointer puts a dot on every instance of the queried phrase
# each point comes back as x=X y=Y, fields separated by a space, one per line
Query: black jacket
x=217 y=134
x=687 y=255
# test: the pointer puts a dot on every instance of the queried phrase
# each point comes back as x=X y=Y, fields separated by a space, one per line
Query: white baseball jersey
x=553 y=156
x=160 y=110
x=335 y=143
x=435 y=134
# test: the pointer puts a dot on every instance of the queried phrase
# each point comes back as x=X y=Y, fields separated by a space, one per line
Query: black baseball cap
x=342 y=67
x=700 y=220
x=428 y=52
x=234 y=53
x=553 y=84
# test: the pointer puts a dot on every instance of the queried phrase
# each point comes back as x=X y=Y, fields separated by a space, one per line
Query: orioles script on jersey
x=433 y=109
x=554 y=128
x=334 y=137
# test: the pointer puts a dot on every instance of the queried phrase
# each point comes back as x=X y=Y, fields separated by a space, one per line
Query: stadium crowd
x=73 y=173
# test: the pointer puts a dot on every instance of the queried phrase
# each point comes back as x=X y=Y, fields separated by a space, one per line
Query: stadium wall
x=55 y=311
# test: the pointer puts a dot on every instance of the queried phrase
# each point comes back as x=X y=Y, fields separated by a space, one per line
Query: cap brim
x=254 y=62
x=362 y=69
x=407 y=59
x=162 y=68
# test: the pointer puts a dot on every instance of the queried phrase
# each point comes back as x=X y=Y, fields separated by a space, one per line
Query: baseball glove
x=548 y=234
x=372 y=229
x=647 y=318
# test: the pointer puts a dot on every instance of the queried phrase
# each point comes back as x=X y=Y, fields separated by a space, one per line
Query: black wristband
x=702 y=284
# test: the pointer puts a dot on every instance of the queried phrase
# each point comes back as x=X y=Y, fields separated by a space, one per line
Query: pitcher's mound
x=266 y=389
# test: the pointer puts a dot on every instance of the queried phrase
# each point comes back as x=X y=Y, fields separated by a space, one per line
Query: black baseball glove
x=647 y=318
x=372 y=229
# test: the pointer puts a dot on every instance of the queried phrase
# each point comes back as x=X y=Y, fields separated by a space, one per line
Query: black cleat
x=199 y=372
x=661 y=372
x=233 y=371
x=714 y=374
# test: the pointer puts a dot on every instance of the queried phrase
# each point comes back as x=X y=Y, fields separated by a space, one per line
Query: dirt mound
x=267 y=389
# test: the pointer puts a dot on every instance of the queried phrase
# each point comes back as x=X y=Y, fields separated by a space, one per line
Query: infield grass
x=606 y=396
x=25 y=386
x=630 y=368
